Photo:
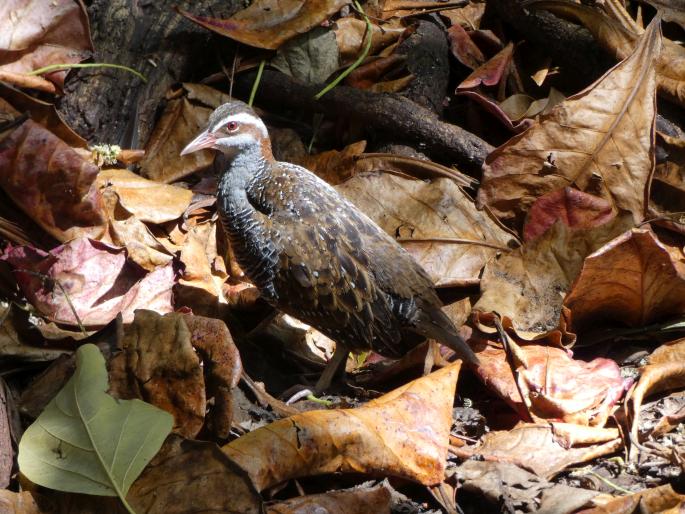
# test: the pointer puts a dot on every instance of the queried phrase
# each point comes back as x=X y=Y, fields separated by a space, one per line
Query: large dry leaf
x=334 y=166
x=619 y=34
x=438 y=222
x=555 y=386
x=633 y=280
x=38 y=33
x=147 y=200
x=88 y=279
x=600 y=141
x=183 y=117
x=540 y=450
x=403 y=433
x=350 y=34
x=270 y=23
x=50 y=182
x=653 y=500
x=527 y=285
x=158 y=365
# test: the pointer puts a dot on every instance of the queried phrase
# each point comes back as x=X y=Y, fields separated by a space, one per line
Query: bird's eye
x=232 y=126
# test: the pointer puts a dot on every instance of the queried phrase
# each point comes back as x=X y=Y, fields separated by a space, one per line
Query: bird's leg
x=334 y=367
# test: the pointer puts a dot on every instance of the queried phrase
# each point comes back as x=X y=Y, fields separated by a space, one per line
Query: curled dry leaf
x=270 y=23
x=403 y=433
x=600 y=141
x=555 y=386
x=619 y=34
x=91 y=279
x=574 y=208
x=334 y=166
x=158 y=365
x=491 y=72
x=668 y=186
x=147 y=200
x=632 y=280
x=537 y=449
x=182 y=120
x=438 y=222
x=463 y=47
x=351 y=501
x=222 y=367
x=50 y=182
x=527 y=285
x=654 y=500
x=350 y=36
x=665 y=371
x=38 y=33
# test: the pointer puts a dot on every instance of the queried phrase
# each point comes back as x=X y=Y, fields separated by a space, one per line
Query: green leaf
x=85 y=441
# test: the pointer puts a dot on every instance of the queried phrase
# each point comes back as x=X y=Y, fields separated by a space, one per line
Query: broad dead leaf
x=334 y=166
x=270 y=23
x=438 y=222
x=655 y=500
x=38 y=33
x=350 y=36
x=183 y=118
x=527 y=286
x=538 y=449
x=50 y=182
x=403 y=433
x=463 y=47
x=491 y=72
x=98 y=279
x=158 y=365
x=555 y=386
x=633 y=280
x=600 y=141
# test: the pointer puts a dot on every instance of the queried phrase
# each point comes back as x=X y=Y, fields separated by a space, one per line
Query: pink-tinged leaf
x=574 y=208
x=493 y=108
x=490 y=73
x=38 y=33
x=51 y=183
x=270 y=23
x=463 y=47
x=98 y=280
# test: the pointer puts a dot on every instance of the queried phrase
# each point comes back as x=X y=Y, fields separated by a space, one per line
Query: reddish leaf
x=492 y=72
x=573 y=207
x=463 y=47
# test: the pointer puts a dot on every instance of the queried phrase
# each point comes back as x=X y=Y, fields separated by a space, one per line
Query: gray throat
x=247 y=228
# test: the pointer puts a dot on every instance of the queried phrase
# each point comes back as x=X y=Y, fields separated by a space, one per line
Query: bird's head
x=232 y=127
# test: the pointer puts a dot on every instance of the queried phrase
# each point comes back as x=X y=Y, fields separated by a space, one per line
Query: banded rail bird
x=314 y=255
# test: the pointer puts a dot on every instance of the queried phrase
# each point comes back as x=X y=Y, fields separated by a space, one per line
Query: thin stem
x=253 y=93
x=451 y=240
x=58 y=67
x=360 y=59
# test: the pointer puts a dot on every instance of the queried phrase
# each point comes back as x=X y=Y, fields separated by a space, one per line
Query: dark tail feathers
x=436 y=325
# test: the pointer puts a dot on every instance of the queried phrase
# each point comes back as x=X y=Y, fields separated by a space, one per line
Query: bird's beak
x=205 y=140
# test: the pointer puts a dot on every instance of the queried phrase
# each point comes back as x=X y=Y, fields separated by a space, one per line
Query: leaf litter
x=571 y=235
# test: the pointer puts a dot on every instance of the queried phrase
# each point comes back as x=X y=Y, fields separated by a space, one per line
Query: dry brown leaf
x=204 y=273
x=50 y=182
x=668 y=185
x=554 y=385
x=537 y=449
x=438 y=222
x=38 y=33
x=147 y=200
x=616 y=31
x=181 y=121
x=334 y=166
x=633 y=280
x=527 y=285
x=222 y=367
x=463 y=47
x=491 y=72
x=99 y=280
x=600 y=141
x=270 y=23
x=403 y=433
x=654 y=500
x=19 y=503
x=13 y=343
x=468 y=16
x=410 y=167
x=158 y=365
x=350 y=36
x=352 y=501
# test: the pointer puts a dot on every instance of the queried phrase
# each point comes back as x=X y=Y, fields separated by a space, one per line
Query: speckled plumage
x=315 y=256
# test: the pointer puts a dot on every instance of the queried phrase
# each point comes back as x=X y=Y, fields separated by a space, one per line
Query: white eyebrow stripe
x=244 y=117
